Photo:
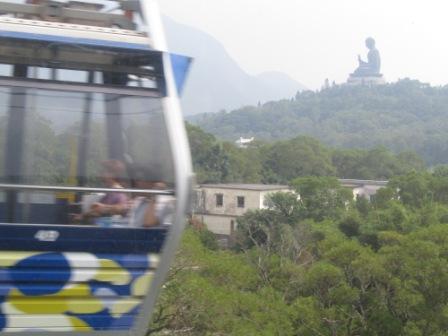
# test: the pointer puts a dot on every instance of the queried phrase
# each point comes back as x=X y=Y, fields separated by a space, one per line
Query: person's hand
x=75 y=218
x=97 y=209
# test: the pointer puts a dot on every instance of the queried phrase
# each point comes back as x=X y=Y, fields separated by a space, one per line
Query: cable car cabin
x=94 y=169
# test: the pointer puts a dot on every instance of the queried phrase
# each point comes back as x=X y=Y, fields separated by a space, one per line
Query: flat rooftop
x=355 y=183
x=254 y=187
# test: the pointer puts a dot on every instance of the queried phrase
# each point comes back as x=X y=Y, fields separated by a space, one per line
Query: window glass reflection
x=91 y=140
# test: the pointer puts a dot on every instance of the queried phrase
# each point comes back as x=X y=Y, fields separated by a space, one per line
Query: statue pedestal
x=366 y=80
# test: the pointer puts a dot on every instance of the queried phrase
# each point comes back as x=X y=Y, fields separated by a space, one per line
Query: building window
x=219 y=200
x=240 y=201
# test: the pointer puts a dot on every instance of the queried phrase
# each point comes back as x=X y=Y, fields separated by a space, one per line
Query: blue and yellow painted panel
x=72 y=291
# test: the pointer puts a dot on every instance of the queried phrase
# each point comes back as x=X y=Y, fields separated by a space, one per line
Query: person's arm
x=120 y=206
x=151 y=218
x=100 y=209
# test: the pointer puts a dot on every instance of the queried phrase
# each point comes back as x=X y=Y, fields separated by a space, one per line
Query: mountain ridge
x=216 y=82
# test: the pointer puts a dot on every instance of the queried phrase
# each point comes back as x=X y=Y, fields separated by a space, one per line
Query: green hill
x=403 y=116
x=282 y=161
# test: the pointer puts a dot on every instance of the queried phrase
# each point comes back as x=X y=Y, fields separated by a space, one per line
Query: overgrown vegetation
x=282 y=161
x=323 y=265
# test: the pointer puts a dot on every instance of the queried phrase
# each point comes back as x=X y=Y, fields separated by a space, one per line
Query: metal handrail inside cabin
x=25 y=187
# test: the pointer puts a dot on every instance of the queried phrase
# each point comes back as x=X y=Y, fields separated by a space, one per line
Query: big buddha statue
x=368 y=72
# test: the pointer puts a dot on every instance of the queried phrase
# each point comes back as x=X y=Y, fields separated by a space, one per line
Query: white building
x=364 y=188
x=243 y=142
x=219 y=205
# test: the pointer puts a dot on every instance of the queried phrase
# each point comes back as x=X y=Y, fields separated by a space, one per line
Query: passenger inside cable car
x=110 y=203
x=118 y=209
x=153 y=210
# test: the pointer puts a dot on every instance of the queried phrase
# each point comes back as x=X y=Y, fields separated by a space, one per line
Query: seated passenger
x=150 y=210
x=112 y=203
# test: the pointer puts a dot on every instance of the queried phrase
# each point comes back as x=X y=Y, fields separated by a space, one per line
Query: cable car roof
x=60 y=45
x=57 y=32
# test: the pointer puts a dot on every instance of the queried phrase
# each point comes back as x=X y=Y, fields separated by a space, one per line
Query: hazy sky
x=317 y=39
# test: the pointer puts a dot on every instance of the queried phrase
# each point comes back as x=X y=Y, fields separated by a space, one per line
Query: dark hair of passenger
x=116 y=170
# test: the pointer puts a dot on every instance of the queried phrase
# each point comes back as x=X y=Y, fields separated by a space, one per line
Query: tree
x=302 y=156
x=375 y=164
x=244 y=164
x=217 y=293
x=381 y=271
x=414 y=189
x=322 y=197
x=210 y=160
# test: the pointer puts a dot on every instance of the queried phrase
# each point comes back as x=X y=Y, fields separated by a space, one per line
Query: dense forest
x=351 y=267
x=403 y=116
x=324 y=264
x=282 y=161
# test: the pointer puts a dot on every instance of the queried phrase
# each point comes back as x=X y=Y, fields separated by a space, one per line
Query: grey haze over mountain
x=216 y=81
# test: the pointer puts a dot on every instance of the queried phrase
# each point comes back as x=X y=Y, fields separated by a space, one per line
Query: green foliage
x=283 y=161
x=441 y=171
x=350 y=225
x=374 y=164
x=318 y=264
x=222 y=162
x=209 y=159
x=217 y=293
x=413 y=189
x=322 y=197
x=359 y=268
x=302 y=156
x=208 y=239
x=402 y=116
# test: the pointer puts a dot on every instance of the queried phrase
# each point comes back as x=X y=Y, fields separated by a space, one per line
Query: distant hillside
x=406 y=115
x=216 y=81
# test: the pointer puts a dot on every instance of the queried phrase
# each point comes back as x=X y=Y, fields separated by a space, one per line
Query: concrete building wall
x=230 y=201
x=222 y=220
x=221 y=225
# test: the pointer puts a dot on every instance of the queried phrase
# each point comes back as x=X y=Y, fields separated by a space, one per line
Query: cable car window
x=49 y=132
x=72 y=76
x=41 y=73
x=92 y=140
x=5 y=70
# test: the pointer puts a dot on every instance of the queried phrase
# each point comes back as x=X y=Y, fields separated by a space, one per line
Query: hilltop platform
x=366 y=80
